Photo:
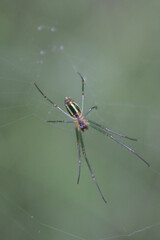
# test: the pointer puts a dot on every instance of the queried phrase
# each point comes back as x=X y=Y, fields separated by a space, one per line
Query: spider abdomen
x=75 y=112
x=72 y=107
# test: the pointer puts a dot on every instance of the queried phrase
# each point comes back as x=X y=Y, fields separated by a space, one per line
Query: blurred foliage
x=115 y=45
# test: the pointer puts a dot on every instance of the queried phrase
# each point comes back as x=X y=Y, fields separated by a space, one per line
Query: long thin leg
x=82 y=107
x=89 y=167
x=59 y=121
x=49 y=100
x=89 y=110
x=102 y=130
x=79 y=155
x=111 y=131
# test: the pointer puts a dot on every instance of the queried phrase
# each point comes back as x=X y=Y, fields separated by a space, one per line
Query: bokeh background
x=115 y=45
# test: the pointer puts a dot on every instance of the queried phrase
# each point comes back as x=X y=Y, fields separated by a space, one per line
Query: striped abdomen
x=75 y=112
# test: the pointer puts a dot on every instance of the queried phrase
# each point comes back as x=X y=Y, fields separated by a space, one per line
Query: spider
x=81 y=124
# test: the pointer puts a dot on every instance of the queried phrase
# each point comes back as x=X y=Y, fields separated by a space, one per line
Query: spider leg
x=59 y=121
x=111 y=131
x=79 y=155
x=102 y=130
x=49 y=100
x=89 y=110
x=82 y=91
x=89 y=167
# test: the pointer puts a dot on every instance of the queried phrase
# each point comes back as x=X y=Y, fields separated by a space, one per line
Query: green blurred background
x=116 y=46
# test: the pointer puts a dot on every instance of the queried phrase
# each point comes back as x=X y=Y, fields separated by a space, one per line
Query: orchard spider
x=81 y=124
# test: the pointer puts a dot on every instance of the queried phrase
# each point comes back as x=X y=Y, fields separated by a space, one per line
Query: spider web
x=39 y=197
